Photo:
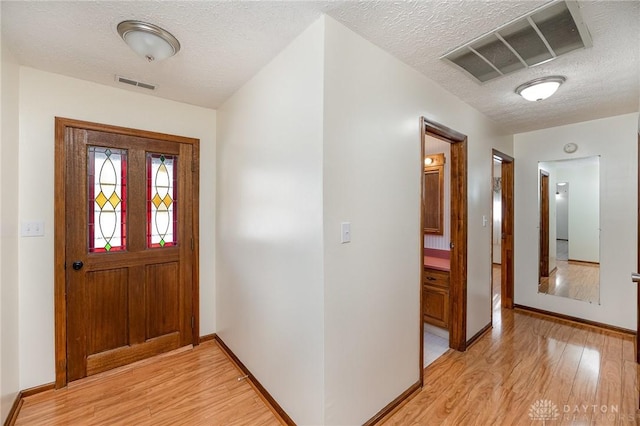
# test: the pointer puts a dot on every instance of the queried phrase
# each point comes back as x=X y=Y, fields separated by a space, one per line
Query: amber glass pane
x=161 y=200
x=107 y=185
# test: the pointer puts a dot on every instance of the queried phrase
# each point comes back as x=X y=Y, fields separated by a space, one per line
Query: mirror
x=433 y=194
x=569 y=244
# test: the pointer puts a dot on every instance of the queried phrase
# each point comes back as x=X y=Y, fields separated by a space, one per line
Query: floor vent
x=131 y=82
x=540 y=36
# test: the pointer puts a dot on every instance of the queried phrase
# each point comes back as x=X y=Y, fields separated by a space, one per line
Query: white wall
x=269 y=265
x=9 y=359
x=372 y=169
x=42 y=97
x=437 y=146
x=615 y=140
x=583 y=208
x=328 y=132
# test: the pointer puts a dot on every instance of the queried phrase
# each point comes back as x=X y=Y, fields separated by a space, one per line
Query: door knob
x=635 y=278
x=77 y=265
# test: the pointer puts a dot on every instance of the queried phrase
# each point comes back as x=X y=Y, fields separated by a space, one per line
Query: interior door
x=128 y=248
x=506 y=246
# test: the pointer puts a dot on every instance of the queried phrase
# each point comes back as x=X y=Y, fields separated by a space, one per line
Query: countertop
x=437 y=259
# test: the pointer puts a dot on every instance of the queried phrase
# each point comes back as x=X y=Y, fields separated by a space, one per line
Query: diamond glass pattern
x=161 y=196
x=107 y=187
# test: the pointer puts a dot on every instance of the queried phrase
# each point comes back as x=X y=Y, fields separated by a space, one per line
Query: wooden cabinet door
x=435 y=297
x=128 y=248
x=435 y=306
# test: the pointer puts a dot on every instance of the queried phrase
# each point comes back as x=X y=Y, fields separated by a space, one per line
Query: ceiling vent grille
x=132 y=82
x=540 y=36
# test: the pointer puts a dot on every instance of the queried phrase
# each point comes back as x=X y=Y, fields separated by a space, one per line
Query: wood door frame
x=458 y=225
x=59 y=293
x=638 y=256
x=507 y=205
x=543 y=243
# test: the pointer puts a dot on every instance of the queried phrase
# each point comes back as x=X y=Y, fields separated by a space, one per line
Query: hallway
x=524 y=359
x=589 y=376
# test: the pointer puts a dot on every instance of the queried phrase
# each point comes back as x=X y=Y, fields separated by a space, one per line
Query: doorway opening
x=496 y=234
x=443 y=296
x=638 y=260
x=562 y=221
x=502 y=286
x=544 y=262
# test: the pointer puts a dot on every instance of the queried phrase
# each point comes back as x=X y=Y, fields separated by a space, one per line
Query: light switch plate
x=345 y=232
x=32 y=229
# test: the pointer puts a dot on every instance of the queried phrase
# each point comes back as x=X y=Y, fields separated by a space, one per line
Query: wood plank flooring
x=197 y=386
x=581 y=375
x=589 y=376
x=576 y=280
x=586 y=376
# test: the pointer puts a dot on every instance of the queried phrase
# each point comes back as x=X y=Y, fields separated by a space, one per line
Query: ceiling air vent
x=540 y=36
x=131 y=82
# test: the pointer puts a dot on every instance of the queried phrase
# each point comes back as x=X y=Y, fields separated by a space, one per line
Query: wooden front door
x=129 y=246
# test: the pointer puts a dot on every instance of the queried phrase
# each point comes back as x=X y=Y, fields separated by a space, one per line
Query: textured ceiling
x=224 y=43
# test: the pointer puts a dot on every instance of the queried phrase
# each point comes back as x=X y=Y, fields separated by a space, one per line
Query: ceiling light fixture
x=148 y=40
x=540 y=88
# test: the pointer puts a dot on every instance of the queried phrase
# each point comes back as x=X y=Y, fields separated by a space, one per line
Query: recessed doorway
x=443 y=292
x=502 y=286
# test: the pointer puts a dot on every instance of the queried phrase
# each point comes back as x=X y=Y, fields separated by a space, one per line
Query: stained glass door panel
x=107 y=184
x=161 y=200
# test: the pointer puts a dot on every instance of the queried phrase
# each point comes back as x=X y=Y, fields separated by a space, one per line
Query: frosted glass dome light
x=540 y=88
x=148 y=40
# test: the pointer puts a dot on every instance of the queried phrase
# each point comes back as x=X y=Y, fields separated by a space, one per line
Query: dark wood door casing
x=507 y=228
x=507 y=276
x=638 y=263
x=544 y=225
x=119 y=275
x=457 y=314
x=458 y=284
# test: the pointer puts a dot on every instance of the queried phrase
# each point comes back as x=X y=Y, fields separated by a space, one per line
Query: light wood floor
x=576 y=280
x=524 y=359
x=527 y=358
x=190 y=387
